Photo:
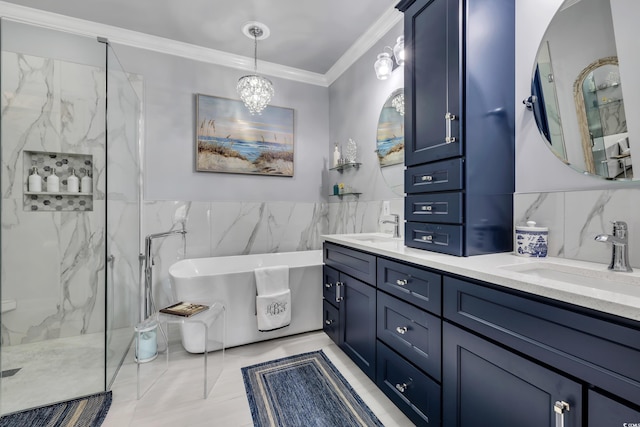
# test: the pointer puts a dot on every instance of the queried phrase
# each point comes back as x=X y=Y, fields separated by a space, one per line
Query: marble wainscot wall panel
x=241 y=228
x=229 y=228
x=52 y=262
x=575 y=218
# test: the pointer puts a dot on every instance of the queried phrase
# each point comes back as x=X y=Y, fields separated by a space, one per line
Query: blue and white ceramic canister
x=531 y=241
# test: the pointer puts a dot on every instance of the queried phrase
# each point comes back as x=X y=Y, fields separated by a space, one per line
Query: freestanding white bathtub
x=230 y=280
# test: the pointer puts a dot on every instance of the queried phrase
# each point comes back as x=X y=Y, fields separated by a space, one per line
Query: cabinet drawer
x=417 y=395
x=437 y=176
x=331 y=278
x=434 y=237
x=434 y=207
x=598 y=349
x=412 y=332
x=331 y=321
x=414 y=285
x=605 y=412
x=357 y=264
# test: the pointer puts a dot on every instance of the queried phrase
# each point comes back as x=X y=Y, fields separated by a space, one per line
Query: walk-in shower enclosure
x=70 y=268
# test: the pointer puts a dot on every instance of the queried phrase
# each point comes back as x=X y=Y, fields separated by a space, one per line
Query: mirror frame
x=581 y=111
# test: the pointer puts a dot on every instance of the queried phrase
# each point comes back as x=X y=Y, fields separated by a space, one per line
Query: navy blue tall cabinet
x=459 y=125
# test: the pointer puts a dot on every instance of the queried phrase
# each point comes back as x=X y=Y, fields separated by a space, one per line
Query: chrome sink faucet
x=620 y=243
x=395 y=222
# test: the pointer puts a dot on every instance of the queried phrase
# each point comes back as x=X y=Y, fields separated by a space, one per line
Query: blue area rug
x=303 y=390
x=85 y=412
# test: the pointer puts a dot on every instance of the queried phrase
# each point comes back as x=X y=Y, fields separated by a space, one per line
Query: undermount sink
x=593 y=277
x=372 y=237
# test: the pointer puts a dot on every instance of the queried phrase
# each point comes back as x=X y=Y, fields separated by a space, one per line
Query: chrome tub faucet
x=620 y=250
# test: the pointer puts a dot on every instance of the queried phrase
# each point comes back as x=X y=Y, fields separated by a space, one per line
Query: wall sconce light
x=398 y=51
x=385 y=64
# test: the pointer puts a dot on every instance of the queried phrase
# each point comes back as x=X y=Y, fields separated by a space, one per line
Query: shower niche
x=69 y=197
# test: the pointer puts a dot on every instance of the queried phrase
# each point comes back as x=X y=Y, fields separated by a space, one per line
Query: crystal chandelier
x=254 y=90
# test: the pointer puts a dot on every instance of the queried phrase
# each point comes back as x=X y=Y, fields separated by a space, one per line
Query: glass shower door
x=123 y=211
x=53 y=238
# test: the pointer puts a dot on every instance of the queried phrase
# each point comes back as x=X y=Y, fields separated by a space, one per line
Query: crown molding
x=189 y=51
x=378 y=30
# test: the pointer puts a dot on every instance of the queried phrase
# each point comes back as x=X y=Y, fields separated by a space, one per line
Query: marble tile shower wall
x=575 y=218
x=241 y=228
x=52 y=262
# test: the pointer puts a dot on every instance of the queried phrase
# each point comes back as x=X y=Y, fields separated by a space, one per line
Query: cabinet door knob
x=402 y=330
x=560 y=407
x=402 y=282
x=328 y=285
x=329 y=322
x=427 y=178
x=402 y=387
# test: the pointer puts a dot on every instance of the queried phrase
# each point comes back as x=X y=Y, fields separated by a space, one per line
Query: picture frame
x=231 y=140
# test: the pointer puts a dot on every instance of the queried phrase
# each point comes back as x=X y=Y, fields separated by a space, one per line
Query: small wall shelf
x=345 y=166
x=345 y=194
x=64 y=163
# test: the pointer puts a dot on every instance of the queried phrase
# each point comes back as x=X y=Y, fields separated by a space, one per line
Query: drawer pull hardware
x=328 y=285
x=338 y=291
x=449 y=118
x=427 y=238
x=402 y=282
x=560 y=407
x=402 y=387
x=427 y=178
x=402 y=330
x=329 y=322
x=427 y=208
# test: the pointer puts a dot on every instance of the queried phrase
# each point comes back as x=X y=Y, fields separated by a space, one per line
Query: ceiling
x=306 y=35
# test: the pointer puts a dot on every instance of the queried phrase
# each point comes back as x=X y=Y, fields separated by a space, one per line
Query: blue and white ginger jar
x=531 y=241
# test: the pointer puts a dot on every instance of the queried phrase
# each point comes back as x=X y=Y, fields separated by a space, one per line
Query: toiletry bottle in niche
x=73 y=182
x=35 y=181
x=336 y=156
x=53 y=182
x=86 y=183
x=336 y=190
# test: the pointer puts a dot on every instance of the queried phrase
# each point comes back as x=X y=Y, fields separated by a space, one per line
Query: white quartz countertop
x=585 y=284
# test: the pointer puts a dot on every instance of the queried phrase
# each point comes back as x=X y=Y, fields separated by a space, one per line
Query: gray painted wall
x=355 y=101
x=170 y=110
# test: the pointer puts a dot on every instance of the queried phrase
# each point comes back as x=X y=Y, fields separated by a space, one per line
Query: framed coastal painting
x=390 y=135
x=231 y=140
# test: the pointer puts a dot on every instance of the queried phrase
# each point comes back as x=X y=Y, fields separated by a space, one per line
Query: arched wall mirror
x=390 y=141
x=584 y=86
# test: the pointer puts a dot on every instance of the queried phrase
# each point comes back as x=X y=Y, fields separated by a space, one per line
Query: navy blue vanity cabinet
x=511 y=334
x=459 y=124
x=486 y=385
x=330 y=304
x=350 y=297
x=409 y=331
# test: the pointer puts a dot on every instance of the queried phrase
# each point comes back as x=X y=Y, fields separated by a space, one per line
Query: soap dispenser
x=53 y=182
x=336 y=156
x=72 y=182
x=86 y=183
x=35 y=181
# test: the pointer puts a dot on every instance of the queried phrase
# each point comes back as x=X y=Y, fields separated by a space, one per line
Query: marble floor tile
x=171 y=400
